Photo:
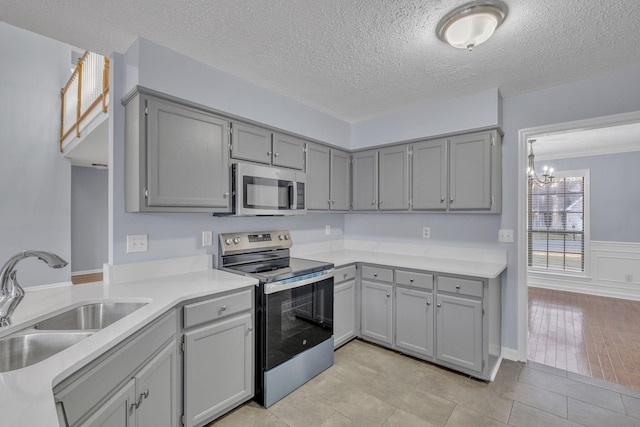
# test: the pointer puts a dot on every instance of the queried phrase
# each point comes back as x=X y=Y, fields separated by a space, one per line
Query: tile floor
x=372 y=386
x=586 y=334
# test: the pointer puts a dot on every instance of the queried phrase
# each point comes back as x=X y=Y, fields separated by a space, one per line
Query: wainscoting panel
x=614 y=269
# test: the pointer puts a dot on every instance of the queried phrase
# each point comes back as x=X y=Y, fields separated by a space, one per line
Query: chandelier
x=547 y=172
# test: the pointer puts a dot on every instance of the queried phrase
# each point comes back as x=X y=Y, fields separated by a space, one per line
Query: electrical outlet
x=426 y=232
x=505 y=236
x=137 y=243
x=327 y=230
x=207 y=238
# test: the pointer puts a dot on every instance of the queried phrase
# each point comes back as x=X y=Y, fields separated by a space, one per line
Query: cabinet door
x=414 y=321
x=364 y=191
x=394 y=178
x=288 y=151
x=429 y=175
x=317 y=194
x=187 y=157
x=377 y=311
x=344 y=312
x=156 y=386
x=470 y=172
x=340 y=181
x=459 y=331
x=218 y=368
x=251 y=143
x=118 y=411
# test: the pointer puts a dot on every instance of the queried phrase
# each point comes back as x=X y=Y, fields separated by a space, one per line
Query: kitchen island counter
x=26 y=395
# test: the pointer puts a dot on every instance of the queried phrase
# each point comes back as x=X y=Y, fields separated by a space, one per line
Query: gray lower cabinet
x=176 y=157
x=261 y=145
x=218 y=365
x=459 y=331
x=134 y=385
x=454 y=321
x=344 y=305
x=414 y=321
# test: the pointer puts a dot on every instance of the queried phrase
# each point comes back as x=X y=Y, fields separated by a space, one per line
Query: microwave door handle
x=292 y=195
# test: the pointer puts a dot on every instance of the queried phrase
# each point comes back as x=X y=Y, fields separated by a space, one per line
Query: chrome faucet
x=11 y=293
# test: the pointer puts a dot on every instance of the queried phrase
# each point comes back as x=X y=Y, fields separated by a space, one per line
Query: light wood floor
x=590 y=335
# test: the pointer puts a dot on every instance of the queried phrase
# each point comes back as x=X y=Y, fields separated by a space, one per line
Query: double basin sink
x=54 y=334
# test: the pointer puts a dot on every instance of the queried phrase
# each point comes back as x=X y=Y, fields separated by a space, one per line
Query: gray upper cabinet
x=260 y=145
x=461 y=173
x=251 y=143
x=176 y=157
x=340 y=186
x=470 y=171
x=393 y=178
x=429 y=175
x=365 y=180
x=328 y=178
x=317 y=186
x=288 y=151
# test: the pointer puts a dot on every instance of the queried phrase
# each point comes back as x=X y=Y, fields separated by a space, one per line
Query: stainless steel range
x=294 y=310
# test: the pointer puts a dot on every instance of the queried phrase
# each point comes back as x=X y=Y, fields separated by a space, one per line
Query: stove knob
x=280 y=237
x=286 y=237
x=227 y=241
x=236 y=240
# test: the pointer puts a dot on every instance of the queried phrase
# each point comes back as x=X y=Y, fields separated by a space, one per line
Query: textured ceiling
x=355 y=59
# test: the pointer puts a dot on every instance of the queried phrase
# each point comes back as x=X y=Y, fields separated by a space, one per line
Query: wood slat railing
x=86 y=89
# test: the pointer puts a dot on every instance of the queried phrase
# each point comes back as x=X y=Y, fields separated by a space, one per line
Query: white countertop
x=26 y=395
x=476 y=262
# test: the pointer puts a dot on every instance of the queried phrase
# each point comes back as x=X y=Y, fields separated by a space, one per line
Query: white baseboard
x=511 y=354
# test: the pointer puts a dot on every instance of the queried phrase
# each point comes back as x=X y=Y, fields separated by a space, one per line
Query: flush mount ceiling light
x=471 y=24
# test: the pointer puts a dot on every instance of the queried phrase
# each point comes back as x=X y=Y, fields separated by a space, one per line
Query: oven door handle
x=271 y=288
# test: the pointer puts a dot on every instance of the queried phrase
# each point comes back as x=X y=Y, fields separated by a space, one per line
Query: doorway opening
x=579 y=248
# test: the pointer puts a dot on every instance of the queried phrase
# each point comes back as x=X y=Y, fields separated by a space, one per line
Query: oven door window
x=298 y=319
x=267 y=193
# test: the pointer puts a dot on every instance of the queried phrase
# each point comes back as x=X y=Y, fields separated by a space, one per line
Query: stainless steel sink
x=24 y=349
x=89 y=316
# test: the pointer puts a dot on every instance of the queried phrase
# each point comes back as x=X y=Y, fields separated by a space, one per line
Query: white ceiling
x=355 y=59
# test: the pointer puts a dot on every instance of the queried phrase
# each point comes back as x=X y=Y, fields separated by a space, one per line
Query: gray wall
x=89 y=220
x=35 y=180
x=615 y=194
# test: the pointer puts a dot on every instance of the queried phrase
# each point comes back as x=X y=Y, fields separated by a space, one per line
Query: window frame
x=586 y=226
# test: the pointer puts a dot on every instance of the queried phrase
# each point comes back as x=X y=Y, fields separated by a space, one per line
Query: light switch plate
x=137 y=243
x=327 y=230
x=207 y=238
x=505 y=236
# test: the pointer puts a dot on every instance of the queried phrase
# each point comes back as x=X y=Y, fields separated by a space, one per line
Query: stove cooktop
x=268 y=273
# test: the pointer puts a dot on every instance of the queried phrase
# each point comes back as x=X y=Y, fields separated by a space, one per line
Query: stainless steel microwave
x=265 y=190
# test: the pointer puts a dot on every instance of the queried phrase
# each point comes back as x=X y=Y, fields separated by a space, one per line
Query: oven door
x=297 y=318
x=261 y=190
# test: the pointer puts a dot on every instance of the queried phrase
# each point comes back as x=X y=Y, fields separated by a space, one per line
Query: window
x=557 y=219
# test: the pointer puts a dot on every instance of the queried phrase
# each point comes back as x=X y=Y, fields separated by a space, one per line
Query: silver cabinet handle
x=438 y=305
x=249 y=329
x=388 y=295
x=329 y=201
x=333 y=202
x=457 y=286
x=375 y=274
x=138 y=402
x=373 y=203
x=225 y=195
x=223 y=308
x=428 y=302
x=411 y=280
x=442 y=199
x=345 y=275
x=268 y=153
x=451 y=200
x=276 y=155
x=380 y=202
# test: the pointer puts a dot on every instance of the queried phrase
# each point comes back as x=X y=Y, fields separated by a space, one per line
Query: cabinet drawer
x=216 y=308
x=345 y=273
x=460 y=286
x=410 y=278
x=377 y=273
